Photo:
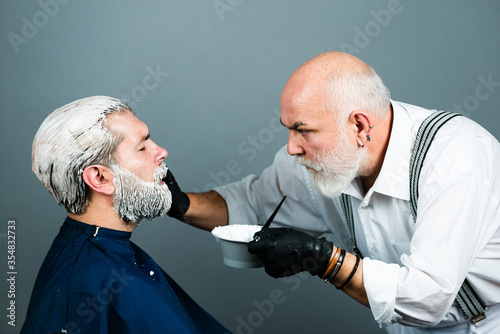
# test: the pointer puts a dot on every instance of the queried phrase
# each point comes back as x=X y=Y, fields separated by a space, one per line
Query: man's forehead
x=310 y=115
x=301 y=110
x=303 y=96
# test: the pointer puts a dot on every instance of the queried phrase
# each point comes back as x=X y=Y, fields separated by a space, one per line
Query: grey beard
x=135 y=199
x=335 y=168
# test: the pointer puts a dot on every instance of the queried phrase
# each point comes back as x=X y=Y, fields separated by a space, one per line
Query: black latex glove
x=285 y=251
x=180 y=200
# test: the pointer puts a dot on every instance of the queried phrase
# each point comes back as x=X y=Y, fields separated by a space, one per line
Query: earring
x=361 y=143
x=368 y=138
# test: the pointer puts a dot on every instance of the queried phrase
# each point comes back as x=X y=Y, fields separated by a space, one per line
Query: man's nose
x=292 y=147
x=161 y=153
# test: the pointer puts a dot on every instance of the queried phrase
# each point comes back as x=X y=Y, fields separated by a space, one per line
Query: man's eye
x=303 y=132
x=142 y=149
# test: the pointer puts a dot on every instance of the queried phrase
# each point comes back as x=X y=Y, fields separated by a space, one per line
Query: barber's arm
x=285 y=251
x=207 y=210
x=203 y=210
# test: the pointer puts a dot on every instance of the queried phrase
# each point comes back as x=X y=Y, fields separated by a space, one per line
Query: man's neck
x=104 y=217
x=378 y=147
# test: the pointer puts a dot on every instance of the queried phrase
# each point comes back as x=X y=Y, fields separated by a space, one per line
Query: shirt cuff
x=381 y=282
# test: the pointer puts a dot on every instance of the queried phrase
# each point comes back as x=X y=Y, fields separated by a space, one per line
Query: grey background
x=225 y=71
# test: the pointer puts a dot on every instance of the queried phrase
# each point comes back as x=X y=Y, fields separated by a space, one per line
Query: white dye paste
x=238 y=233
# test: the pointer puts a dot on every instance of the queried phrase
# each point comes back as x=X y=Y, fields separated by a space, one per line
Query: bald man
x=395 y=205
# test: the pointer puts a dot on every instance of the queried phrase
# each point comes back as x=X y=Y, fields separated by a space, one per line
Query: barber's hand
x=285 y=251
x=180 y=200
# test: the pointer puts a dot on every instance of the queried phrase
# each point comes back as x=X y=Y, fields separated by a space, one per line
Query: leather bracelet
x=333 y=260
x=354 y=269
x=336 y=269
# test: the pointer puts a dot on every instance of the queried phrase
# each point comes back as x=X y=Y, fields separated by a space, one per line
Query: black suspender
x=345 y=202
x=469 y=302
x=425 y=135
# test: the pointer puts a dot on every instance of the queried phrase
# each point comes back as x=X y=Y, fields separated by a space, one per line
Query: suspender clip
x=479 y=319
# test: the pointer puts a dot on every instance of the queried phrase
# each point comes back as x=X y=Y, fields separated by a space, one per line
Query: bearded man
x=356 y=168
x=98 y=161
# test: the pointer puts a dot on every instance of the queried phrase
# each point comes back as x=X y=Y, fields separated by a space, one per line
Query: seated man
x=98 y=161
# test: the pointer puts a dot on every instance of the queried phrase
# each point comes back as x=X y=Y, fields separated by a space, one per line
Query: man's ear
x=362 y=120
x=99 y=178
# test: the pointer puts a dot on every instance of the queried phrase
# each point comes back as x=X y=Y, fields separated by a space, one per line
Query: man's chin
x=128 y=222
x=327 y=189
x=325 y=192
x=136 y=219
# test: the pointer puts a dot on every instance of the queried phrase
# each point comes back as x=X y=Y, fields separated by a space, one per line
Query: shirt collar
x=393 y=179
x=87 y=230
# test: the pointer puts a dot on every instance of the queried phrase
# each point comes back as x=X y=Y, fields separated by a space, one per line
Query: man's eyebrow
x=294 y=126
x=144 y=138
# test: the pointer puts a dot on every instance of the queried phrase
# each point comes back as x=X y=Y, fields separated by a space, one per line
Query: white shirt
x=412 y=271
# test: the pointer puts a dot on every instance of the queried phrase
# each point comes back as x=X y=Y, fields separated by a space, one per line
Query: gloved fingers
x=262 y=240
x=180 y=200
x=169 y=179
x=274 y=232
x=275 y=270
x=270 y=234
x=281 y=269
x=259 y=245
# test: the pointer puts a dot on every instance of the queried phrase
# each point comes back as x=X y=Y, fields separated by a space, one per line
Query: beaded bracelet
x=354 y=269
x=333 y=260
x=336 y=269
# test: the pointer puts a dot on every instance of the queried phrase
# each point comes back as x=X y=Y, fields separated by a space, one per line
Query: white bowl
x=233 y=241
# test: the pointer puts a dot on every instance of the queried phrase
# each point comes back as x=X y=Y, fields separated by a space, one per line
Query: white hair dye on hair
x=136 y=199
x=347 y=91
x=70 y=139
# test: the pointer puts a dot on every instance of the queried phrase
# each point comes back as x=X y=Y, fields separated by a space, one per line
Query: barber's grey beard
x=335 y=167
x=136 y=199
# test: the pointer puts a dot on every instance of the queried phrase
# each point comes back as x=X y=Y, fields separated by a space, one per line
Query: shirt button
x=375 y=250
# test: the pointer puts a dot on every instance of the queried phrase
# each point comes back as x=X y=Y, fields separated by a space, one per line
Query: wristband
x=336 y=269
x=354 y=269
x=332 y=262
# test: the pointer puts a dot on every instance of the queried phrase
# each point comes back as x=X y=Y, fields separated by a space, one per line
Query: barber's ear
x=362 y=120
x=99 y=178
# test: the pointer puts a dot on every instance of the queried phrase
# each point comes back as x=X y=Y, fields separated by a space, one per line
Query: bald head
x=340 y=82
x=325 y=64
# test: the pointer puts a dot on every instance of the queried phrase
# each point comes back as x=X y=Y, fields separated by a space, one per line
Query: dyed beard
x=335 y=167
x=135 y=198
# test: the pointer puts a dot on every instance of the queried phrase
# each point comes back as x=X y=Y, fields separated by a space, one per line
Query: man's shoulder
x=462 y=147
x=47 y=310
